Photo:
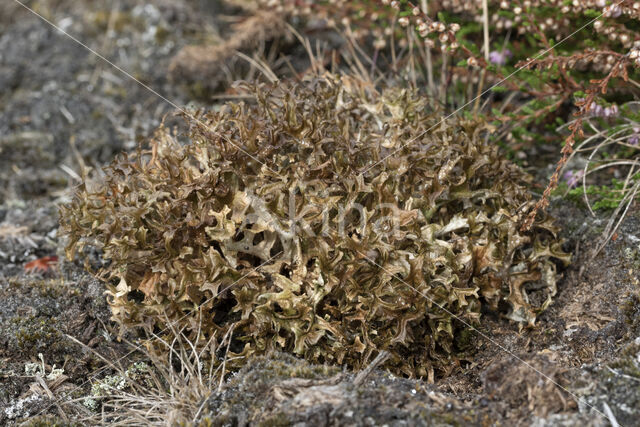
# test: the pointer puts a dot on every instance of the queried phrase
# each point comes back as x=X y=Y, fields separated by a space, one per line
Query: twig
x=49 y=393
x=429 y=62
x=224 y=361
x=612 y=418
x=362 y=375
x=483 y=73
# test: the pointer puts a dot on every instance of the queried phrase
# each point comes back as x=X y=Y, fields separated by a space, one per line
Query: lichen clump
x=284 y=224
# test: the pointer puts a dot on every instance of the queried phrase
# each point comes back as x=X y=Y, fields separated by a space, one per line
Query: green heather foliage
x=304 y=253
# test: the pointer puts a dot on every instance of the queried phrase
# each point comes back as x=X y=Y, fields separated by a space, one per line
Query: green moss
x=35 y=332
x=118 y=21
x=162 y=35
x=465 y=339
x=23 y=149
x=445 y=419
x=605 y=197
x=205 y=421
x=277 y=420
x=200 y=90
x=627 y=362
x=116 y=92
x=49 y=421
x=49 y=288
x=619 y=383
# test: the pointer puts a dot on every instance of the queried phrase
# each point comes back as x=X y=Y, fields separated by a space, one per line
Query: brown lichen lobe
x=280 y=220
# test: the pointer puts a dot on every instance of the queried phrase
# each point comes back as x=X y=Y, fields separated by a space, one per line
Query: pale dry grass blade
x=173 y=390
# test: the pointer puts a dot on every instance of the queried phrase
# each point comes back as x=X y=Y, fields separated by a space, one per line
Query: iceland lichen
x=283 y=223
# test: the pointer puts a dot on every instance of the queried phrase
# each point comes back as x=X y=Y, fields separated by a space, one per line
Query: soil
x=64 y=113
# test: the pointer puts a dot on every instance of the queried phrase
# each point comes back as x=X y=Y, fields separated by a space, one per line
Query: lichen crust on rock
x=327 y=218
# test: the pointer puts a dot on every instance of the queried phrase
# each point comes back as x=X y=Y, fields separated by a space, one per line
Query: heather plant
x=278 y=227
x=539 y=70
x=550 y=81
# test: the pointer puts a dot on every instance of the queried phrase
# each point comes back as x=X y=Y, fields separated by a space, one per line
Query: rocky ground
x=64 y=113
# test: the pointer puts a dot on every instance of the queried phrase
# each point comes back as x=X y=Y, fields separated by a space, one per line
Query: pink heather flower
x=635 y=136
x=500 y=57
x=600 y=111
x=596 y=109
x=611 y=111
x=616 y=11
x=612 y=11
x=572 y=177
